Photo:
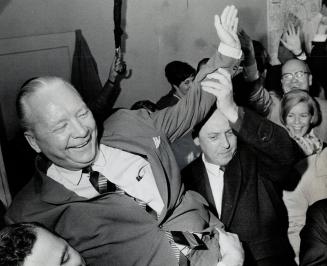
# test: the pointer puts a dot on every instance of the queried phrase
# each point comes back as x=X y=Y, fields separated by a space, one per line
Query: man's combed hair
x=198 y=126
x=16 y=243
x=28 y=88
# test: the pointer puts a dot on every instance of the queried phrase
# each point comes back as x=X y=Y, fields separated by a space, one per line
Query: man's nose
x=79 y=129
x=294 y=78
x=225 y=142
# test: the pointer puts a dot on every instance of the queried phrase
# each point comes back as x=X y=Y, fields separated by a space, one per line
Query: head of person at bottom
x=216 y=138
x=30 y=244
x=299 y=112
x=295 y=75
x=57 y=122
x=180 y=75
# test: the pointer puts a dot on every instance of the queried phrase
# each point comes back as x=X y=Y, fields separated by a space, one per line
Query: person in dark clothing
x=314 y=236
x=180 y=76
x=241 y=173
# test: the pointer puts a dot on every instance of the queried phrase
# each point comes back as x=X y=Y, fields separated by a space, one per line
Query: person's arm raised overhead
x=220 y=85
x=291 y=40
x=179 y=119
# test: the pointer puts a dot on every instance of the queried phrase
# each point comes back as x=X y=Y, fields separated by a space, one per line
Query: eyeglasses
x=298 y=75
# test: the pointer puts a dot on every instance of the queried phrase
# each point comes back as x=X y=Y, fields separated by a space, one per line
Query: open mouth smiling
x=82 y=144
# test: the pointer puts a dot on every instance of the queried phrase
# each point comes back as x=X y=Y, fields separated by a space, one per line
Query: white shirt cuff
x=319 y=38
x=229 y=51
x=302 y=56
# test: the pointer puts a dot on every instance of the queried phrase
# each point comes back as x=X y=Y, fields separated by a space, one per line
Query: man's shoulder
x=322 y=103
x=318 y=209
x=167 y=100
x=194 y=164
x=125 y=118
x=24 y=200
x=191 y=172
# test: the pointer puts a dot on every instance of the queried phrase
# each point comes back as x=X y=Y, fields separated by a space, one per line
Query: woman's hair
x=295 y=97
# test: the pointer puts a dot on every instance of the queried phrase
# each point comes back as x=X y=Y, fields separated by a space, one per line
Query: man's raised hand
x=220 y=85
x=226 y=27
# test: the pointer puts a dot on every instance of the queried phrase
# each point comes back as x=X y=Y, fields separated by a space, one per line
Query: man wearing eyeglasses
x=295 y=74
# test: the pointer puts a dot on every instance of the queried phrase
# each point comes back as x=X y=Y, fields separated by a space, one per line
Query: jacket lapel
x=200 y=183
x=204 y=186
x=232 y=185
x=51 y=191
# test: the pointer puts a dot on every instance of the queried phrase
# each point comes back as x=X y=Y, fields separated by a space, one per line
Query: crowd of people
x=227 y=169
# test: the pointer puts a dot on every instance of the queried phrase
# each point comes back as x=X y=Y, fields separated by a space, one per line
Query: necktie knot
x=99 y=181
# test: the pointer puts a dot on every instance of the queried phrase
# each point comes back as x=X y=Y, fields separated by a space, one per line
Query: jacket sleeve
x=178 y=120
x=314 y=236
x=276 y=151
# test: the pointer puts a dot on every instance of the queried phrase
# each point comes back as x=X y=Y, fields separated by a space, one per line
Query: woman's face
x=298 y=119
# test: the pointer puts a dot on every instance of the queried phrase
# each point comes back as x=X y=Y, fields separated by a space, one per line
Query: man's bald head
x=295 y=75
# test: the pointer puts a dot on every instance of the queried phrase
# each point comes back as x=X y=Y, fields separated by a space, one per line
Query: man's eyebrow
x=63 y=254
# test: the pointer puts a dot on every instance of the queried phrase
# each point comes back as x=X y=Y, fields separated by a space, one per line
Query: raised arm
x=179 y=119
x=291 y=40
x=278 y=152
x=101 y=107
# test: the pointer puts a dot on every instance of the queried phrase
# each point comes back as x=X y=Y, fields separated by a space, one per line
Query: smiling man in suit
x=121 y=202
x=244 y=165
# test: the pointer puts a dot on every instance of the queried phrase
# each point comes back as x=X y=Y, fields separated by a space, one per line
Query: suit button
x=264 y=138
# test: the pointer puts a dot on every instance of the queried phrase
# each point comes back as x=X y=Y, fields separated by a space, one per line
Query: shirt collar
x=74 y=177
x=100 y=160
x=175 y=95
x=213 y=168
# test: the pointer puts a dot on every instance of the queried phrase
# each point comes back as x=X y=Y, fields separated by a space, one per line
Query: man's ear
x=196 y=141
x=310 y=79
x=31 y=141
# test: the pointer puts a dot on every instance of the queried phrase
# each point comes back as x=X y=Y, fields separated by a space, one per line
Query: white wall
x=159 y=31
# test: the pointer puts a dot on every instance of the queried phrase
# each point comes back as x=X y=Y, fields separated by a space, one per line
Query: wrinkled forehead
x=48 y=102
x=294 y=65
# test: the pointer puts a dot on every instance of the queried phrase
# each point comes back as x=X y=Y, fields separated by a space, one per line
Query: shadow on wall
x=3 y=4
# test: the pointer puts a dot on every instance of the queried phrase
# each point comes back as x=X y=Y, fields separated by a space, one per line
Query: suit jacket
x=314 y=236
x=112 y=229
x=252 y=204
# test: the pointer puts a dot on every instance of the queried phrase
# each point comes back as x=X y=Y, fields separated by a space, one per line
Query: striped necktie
x=103 y=185
x=168 y=234
x=99 y=181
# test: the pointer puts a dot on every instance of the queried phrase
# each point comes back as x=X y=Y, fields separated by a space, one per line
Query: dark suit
x=313 y=251
x=252 y=205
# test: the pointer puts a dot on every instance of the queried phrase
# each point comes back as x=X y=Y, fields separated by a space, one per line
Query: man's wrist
x=229 y=51
x=298 y=52
x=231 y=113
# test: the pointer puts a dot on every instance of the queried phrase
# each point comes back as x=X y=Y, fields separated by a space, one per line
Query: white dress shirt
x=216 y=180
x=128 y=171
